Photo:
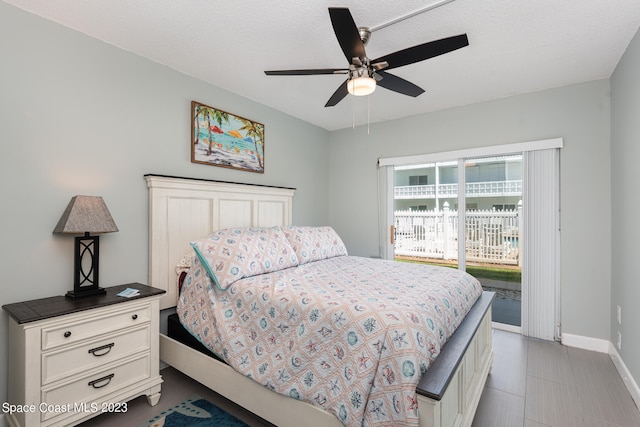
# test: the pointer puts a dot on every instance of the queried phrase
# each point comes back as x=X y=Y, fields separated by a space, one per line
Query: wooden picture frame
x=219 y=138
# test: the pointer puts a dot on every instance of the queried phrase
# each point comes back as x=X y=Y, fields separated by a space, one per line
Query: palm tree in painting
x=208 y=114
x=219 y=117
x=198 y=110
x=256 y=132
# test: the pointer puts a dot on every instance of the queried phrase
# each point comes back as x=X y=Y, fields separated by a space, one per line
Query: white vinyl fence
x=491 y=236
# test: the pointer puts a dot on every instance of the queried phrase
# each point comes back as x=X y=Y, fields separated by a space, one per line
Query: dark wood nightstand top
x=46 y=308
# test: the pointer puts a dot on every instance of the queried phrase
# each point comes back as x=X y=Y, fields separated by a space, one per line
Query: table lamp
x=85 y=215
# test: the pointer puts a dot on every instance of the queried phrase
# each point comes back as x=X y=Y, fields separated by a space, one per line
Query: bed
x=184 y=210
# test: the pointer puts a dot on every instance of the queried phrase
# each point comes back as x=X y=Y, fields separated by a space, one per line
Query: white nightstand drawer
x=92 y=387
x=76 y=330
x=68 y=361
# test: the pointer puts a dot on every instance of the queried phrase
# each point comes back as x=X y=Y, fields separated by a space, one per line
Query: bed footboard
x=450 y=391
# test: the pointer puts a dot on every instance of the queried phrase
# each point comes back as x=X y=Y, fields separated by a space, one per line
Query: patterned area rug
x=194 y=412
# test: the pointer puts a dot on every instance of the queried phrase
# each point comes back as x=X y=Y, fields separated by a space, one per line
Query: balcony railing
x=472 y=189
x=490 y=236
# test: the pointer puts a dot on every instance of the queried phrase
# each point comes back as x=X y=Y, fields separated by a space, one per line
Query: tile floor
x=536 y=383
x=532 y=383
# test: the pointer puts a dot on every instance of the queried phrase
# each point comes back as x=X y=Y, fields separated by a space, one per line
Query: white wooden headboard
x=184 y=209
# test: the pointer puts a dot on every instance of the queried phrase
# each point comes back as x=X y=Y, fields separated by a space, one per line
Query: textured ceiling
x=514 y=46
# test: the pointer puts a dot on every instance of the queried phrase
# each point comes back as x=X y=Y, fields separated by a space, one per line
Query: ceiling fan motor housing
x=365 y=34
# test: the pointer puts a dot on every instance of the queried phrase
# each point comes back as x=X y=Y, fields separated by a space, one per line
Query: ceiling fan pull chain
x=368 y=112
x=353 y=114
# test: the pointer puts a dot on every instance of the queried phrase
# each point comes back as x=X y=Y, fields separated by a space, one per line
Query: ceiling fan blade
x=424 y=51
x=347 y=33
x=379 y=65
x=398 y=84
x=309 y=72
x=338 y=95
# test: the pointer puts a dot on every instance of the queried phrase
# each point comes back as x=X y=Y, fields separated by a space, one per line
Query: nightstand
x=70 y=360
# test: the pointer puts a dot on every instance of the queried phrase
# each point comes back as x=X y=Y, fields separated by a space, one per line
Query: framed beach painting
x=223 y=139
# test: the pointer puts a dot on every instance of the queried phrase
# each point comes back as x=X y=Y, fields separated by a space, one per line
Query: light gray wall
x=580 y=114
x=78 y=116
x=625 y=202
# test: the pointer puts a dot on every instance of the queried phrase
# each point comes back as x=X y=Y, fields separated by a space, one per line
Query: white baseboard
x=626 y=376
x=604 y=346
x=586 y=343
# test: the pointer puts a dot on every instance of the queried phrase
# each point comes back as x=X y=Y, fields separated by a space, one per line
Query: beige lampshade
x=86 y=214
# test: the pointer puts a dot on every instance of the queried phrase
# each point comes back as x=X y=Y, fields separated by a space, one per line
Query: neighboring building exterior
x=492 y=183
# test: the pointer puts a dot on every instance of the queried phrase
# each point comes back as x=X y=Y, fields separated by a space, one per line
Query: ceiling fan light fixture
x=361 y=86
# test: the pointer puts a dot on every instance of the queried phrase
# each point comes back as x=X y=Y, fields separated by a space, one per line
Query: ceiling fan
x=364 y=73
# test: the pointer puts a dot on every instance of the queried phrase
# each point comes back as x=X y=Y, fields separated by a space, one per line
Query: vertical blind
x=541 y=243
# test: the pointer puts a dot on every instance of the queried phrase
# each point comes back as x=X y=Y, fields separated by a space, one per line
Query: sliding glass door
x=492 y=231
x=428 y=221
x=492 y=211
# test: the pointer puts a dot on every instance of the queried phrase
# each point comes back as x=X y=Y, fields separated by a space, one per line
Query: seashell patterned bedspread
x=351 y=335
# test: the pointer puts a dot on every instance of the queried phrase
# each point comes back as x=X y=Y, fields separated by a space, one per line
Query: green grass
x=507 y=275
x=493 y=273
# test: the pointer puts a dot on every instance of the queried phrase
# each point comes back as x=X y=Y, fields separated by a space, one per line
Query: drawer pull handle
x=134 y=317
x=99 y=380
x=107 y=347
x=67 y=334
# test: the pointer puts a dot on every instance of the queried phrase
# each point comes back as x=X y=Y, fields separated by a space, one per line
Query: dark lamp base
x=74 y=294
x=85 y=278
